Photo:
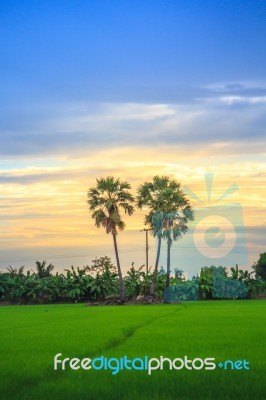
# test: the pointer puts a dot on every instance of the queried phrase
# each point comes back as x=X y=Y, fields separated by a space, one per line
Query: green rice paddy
x=30 y=337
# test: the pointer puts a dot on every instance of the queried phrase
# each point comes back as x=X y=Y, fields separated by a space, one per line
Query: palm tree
x=14 y=271
x=106 y=201
x=165 y=201
x=171 y=225
x=148 y=195
x=44 y=271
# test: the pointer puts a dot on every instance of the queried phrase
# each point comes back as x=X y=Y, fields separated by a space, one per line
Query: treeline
x=96 y=282
x=100 y=282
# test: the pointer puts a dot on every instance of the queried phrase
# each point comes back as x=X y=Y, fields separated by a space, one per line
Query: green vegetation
x=32 y=335
x=260 y=267
x=100 y=282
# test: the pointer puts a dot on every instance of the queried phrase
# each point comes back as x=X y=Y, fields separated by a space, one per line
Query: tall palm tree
x=164 y=195
x=171 y=225
x=148 y=195
x=106 y=200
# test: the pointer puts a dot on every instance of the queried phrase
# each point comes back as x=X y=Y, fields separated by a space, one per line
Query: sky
x=131 y=89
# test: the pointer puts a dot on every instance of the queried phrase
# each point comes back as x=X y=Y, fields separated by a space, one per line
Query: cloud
x=231 y=100
x=237 y=86
x=217 y=114
x=84 y=129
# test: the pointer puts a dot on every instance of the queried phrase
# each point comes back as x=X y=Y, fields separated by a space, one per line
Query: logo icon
x=217 y=233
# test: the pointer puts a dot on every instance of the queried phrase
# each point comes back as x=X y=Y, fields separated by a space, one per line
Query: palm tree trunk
x=155 y=272
x=121 y=283
x=168 y=263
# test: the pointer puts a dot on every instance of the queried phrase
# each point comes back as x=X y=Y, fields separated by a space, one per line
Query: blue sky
x=70 y=58
x=128 y=88
x=89 y=49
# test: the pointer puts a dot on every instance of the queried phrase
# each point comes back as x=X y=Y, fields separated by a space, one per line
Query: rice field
x=31 y=337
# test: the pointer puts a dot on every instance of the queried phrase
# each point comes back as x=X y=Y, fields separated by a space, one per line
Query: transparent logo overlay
x=216 y=237
x=116 y=365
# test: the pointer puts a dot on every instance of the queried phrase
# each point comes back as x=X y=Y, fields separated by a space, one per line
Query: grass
x=30 y=337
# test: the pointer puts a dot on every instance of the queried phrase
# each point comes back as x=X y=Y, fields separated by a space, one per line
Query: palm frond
x=107 y=199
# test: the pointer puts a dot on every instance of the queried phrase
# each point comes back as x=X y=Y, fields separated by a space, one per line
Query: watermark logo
x=116 y=365
x=214 y=235
x=216 y=238
x=217 y=233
